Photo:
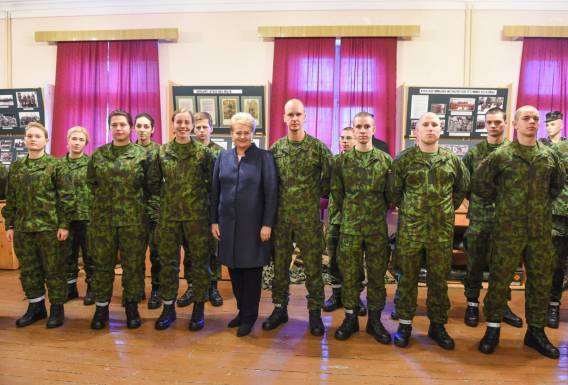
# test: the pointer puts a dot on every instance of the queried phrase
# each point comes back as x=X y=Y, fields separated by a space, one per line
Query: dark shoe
x=316 y=324
x=439 y=334
x=490 y=340
x=471 y=317
x=155 y=301
x=279 y=316
x=512 y=319
x=394 y=315
x=214 y=295
x=100 y=318
x=186 y=298
x=553 y=316
x=334 y=300
x=362 y=308
x=56 y=316
x=376 y=328
x=167 y=317
x=197 y=317
x=349 y=326
x=72 y=291
x=535 y=338
x=133 y=320
x=89 y=297
x=244 y=329
x=235 y=322
x=36 y=311
x=402 y=335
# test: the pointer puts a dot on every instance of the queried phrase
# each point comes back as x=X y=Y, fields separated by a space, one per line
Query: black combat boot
x=376 y=328
x=334 y=300
x=439 y=334
x=186 y=298
x=471 y=317
x=362 y=308
x=214 y=295
x=167 y=317
x=89 y=296
x=36 y=311
x=316 y=324
x=490 y=340
x=511 y=318
x=133 y=320
x=197 y=317
x=349 y=326
x=56 y=316
x=553 y=316
x=235 y=322
x=72 y=291
x=535 y=338
x=402 y=335
x=279 y=316
x=100 y=318
x=154 y=301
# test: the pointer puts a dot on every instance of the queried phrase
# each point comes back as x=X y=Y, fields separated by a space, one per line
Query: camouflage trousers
x=171 y=235
x=106 y=242
x=332 y=244
x=214 y=268
x=508 y=251
x=154 y=255
x=438 y=255
x=353 y=251
x=477 y=243
x=75 y=245
x=560 y=242
x=310 y=241
x=42 y=262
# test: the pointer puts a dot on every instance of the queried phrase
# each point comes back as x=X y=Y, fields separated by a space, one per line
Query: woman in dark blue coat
x=243 y=212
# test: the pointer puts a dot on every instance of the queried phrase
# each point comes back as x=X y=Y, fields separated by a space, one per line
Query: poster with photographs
x=228 y=106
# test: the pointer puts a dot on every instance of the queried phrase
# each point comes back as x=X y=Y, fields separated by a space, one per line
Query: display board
x=18 y=107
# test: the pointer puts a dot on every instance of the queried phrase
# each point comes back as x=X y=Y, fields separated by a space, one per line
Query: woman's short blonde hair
x=78 y=129
x=37 y=125
x=244 y=118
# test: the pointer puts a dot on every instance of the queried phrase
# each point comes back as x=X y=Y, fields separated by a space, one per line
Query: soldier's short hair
x=147 y=116
x=244 y=118
x=348 y=128
x=497 y=110
x=181 y=111
x=80 y=130
x=39 y=126
x=203 y=116
x=363 y=114
x=120 y=113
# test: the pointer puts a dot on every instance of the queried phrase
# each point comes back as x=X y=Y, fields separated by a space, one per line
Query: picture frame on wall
x=253 y=105
x=208 y=104
x=228 y=106
x=185 y=102
x=27 y=99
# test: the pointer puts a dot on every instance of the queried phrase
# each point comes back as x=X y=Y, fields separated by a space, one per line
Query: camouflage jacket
x=358 y=190
x=119 y=185
x=215 y=149
x=479 y=211
x=304 y=172
x=560 y=204
x=39 y=196
x=151 y=148
x=334 y=214
x=3 y=180
x=521 y=187
x=550 y=143
x=427 y=190
x=77 y=172
x=185 y=181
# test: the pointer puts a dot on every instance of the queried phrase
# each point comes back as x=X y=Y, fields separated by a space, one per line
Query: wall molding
x=162 y=34
x=400 y=31
x=518 y=32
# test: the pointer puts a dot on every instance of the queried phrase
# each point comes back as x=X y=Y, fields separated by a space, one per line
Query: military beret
x=553 y=115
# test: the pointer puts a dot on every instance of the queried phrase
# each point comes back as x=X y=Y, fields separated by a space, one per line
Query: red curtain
x=303 y=69
x=543 y=80
x=368 y=83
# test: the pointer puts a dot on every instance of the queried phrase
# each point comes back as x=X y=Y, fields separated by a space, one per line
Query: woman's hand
x=62 y=234
x=10 y=235
x=215 y=231
x=265 y=232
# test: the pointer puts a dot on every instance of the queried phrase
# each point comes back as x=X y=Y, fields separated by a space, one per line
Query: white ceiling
x=42 y=8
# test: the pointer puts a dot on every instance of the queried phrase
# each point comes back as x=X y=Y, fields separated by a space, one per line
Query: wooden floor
x=74 y=354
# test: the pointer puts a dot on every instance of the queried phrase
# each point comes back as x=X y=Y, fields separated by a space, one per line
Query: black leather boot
x=214 y=295
x=376 y=328
x=100 y=318
x=186 y=298
x=72 y=291
x=197 y=317
x=490 y=340
x=553 y=316
x=133 y=320
x=244 y=329
x=235 y=322
x=349 y=326
x=36 y=311
x=89 y=296
x=471 y=317
x=154 y=301
x=402 y=335
x=511 y=318
x=535 y=338
x=167 y=317
x=278 y=316
x=439 y=334
x=362 y=308
x=334 y=300
x=316 y=324
x=56 y=316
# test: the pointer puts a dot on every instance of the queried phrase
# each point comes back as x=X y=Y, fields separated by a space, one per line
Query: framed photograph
x=253 y=105
x=8 y=121
x=438 y=108
x=488 y=102
x=6 y=145
x=228 y=106
x=187 y=102
x=460 y=124
x=462 y=104
x=208 y=104
x=27 y=99
x=28 y=117
x=6 y=101
x=19 y=144
x=6 y=157
x=480 y=124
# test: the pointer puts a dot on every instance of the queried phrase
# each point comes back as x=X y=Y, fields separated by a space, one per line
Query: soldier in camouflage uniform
x=3 y=180
x=184 y=168
x=554 y=127
x=358 y=192
x=427 y=184
x=144 y=126
x=481 y=216
x=203 y=129
x=304 y=165
x=74 y=163
x=117 y=174
x=39 y=205
x=522 y=179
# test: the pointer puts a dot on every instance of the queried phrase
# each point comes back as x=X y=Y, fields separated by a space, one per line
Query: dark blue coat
x=244 y=198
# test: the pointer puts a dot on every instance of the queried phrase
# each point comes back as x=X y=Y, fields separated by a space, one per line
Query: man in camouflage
x=522 y=179
x=304 y=166
x=203 y=129
x=358 y=192
x=427 y=184
x=554 y=127
x=477 y=239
